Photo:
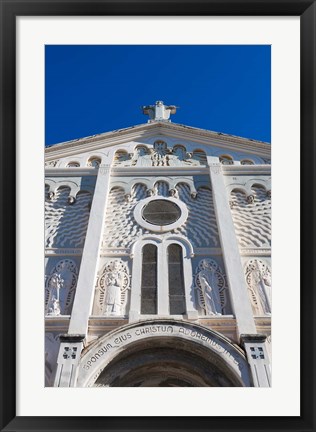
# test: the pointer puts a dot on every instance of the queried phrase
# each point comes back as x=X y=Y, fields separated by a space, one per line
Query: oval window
x=161 y=212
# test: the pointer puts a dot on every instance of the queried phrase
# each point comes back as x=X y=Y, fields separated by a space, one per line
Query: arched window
x=149 y=280
x=162 y=278
x=176 y=280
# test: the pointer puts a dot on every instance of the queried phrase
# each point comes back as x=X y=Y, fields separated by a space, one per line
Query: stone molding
x=115 y=251
x=120 y=136
x=71 y=338
x=246 y=169
x=104 y=350
x=252 y=338
x=207 y=251
x=158 y=171
x=63 y=251
x=138 y=214
x=71 y=172
x=255 y=252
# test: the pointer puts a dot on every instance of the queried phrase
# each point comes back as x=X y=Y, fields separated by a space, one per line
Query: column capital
x=72 y=338
x=253 y=338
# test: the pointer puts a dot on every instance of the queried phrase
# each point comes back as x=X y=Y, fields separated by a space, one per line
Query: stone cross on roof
x=159 y=112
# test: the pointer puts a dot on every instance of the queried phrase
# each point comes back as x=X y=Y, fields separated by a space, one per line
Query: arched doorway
x=163 y=353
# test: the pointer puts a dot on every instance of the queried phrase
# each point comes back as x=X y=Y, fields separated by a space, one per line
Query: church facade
x=158 y=258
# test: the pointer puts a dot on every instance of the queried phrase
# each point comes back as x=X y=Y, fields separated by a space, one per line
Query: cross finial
x=159 y=112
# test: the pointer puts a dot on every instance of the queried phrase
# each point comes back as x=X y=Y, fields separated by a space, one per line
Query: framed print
x=158 y=259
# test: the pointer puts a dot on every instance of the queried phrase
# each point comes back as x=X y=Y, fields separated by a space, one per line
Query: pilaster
x=72 y=343
x=258 y=359
x=234 y=271
x=91 y=253
x=68 y=360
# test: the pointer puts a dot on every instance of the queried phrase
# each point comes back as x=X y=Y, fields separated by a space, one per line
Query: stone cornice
x=264 y=251
x=148 y=171
x=70 y=172
x=158 y=171
x=246 y=169
x=120 y=136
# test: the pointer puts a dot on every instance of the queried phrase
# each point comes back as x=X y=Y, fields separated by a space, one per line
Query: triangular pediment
x=174 y=134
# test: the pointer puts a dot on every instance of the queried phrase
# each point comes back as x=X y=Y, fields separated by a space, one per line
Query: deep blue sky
x=93 y=89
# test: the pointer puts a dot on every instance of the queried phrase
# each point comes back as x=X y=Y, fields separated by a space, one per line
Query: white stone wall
x=252 y=217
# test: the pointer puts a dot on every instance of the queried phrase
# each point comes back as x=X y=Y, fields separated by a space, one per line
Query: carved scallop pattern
x=66 y=225
x=252 y=220
x=200 y=227
x=121 y=229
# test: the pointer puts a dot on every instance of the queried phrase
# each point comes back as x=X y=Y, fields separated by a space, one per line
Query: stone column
x=258 y=359
x=72 y=344
x=234 y=271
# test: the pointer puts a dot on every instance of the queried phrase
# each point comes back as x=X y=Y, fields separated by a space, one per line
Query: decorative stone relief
x=210 y=284
x=257 y=352
x=258 y=277
x=66 y=218
x=73 y=165
x=252 y=217
x=160 y=155
x=112 y=288
x=121 y=229
x=201 y=225
x=60 y=288
x=51 y=164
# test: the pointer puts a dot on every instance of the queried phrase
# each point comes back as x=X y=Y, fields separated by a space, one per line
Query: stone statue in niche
x=113 y=285
x=210 y=284
x=60 y=288
x=258 y=277
x=55 y=310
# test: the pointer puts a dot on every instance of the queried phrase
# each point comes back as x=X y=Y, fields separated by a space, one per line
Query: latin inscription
x=139 y=333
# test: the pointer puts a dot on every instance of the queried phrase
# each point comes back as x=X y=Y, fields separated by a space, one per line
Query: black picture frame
x=9 y=10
